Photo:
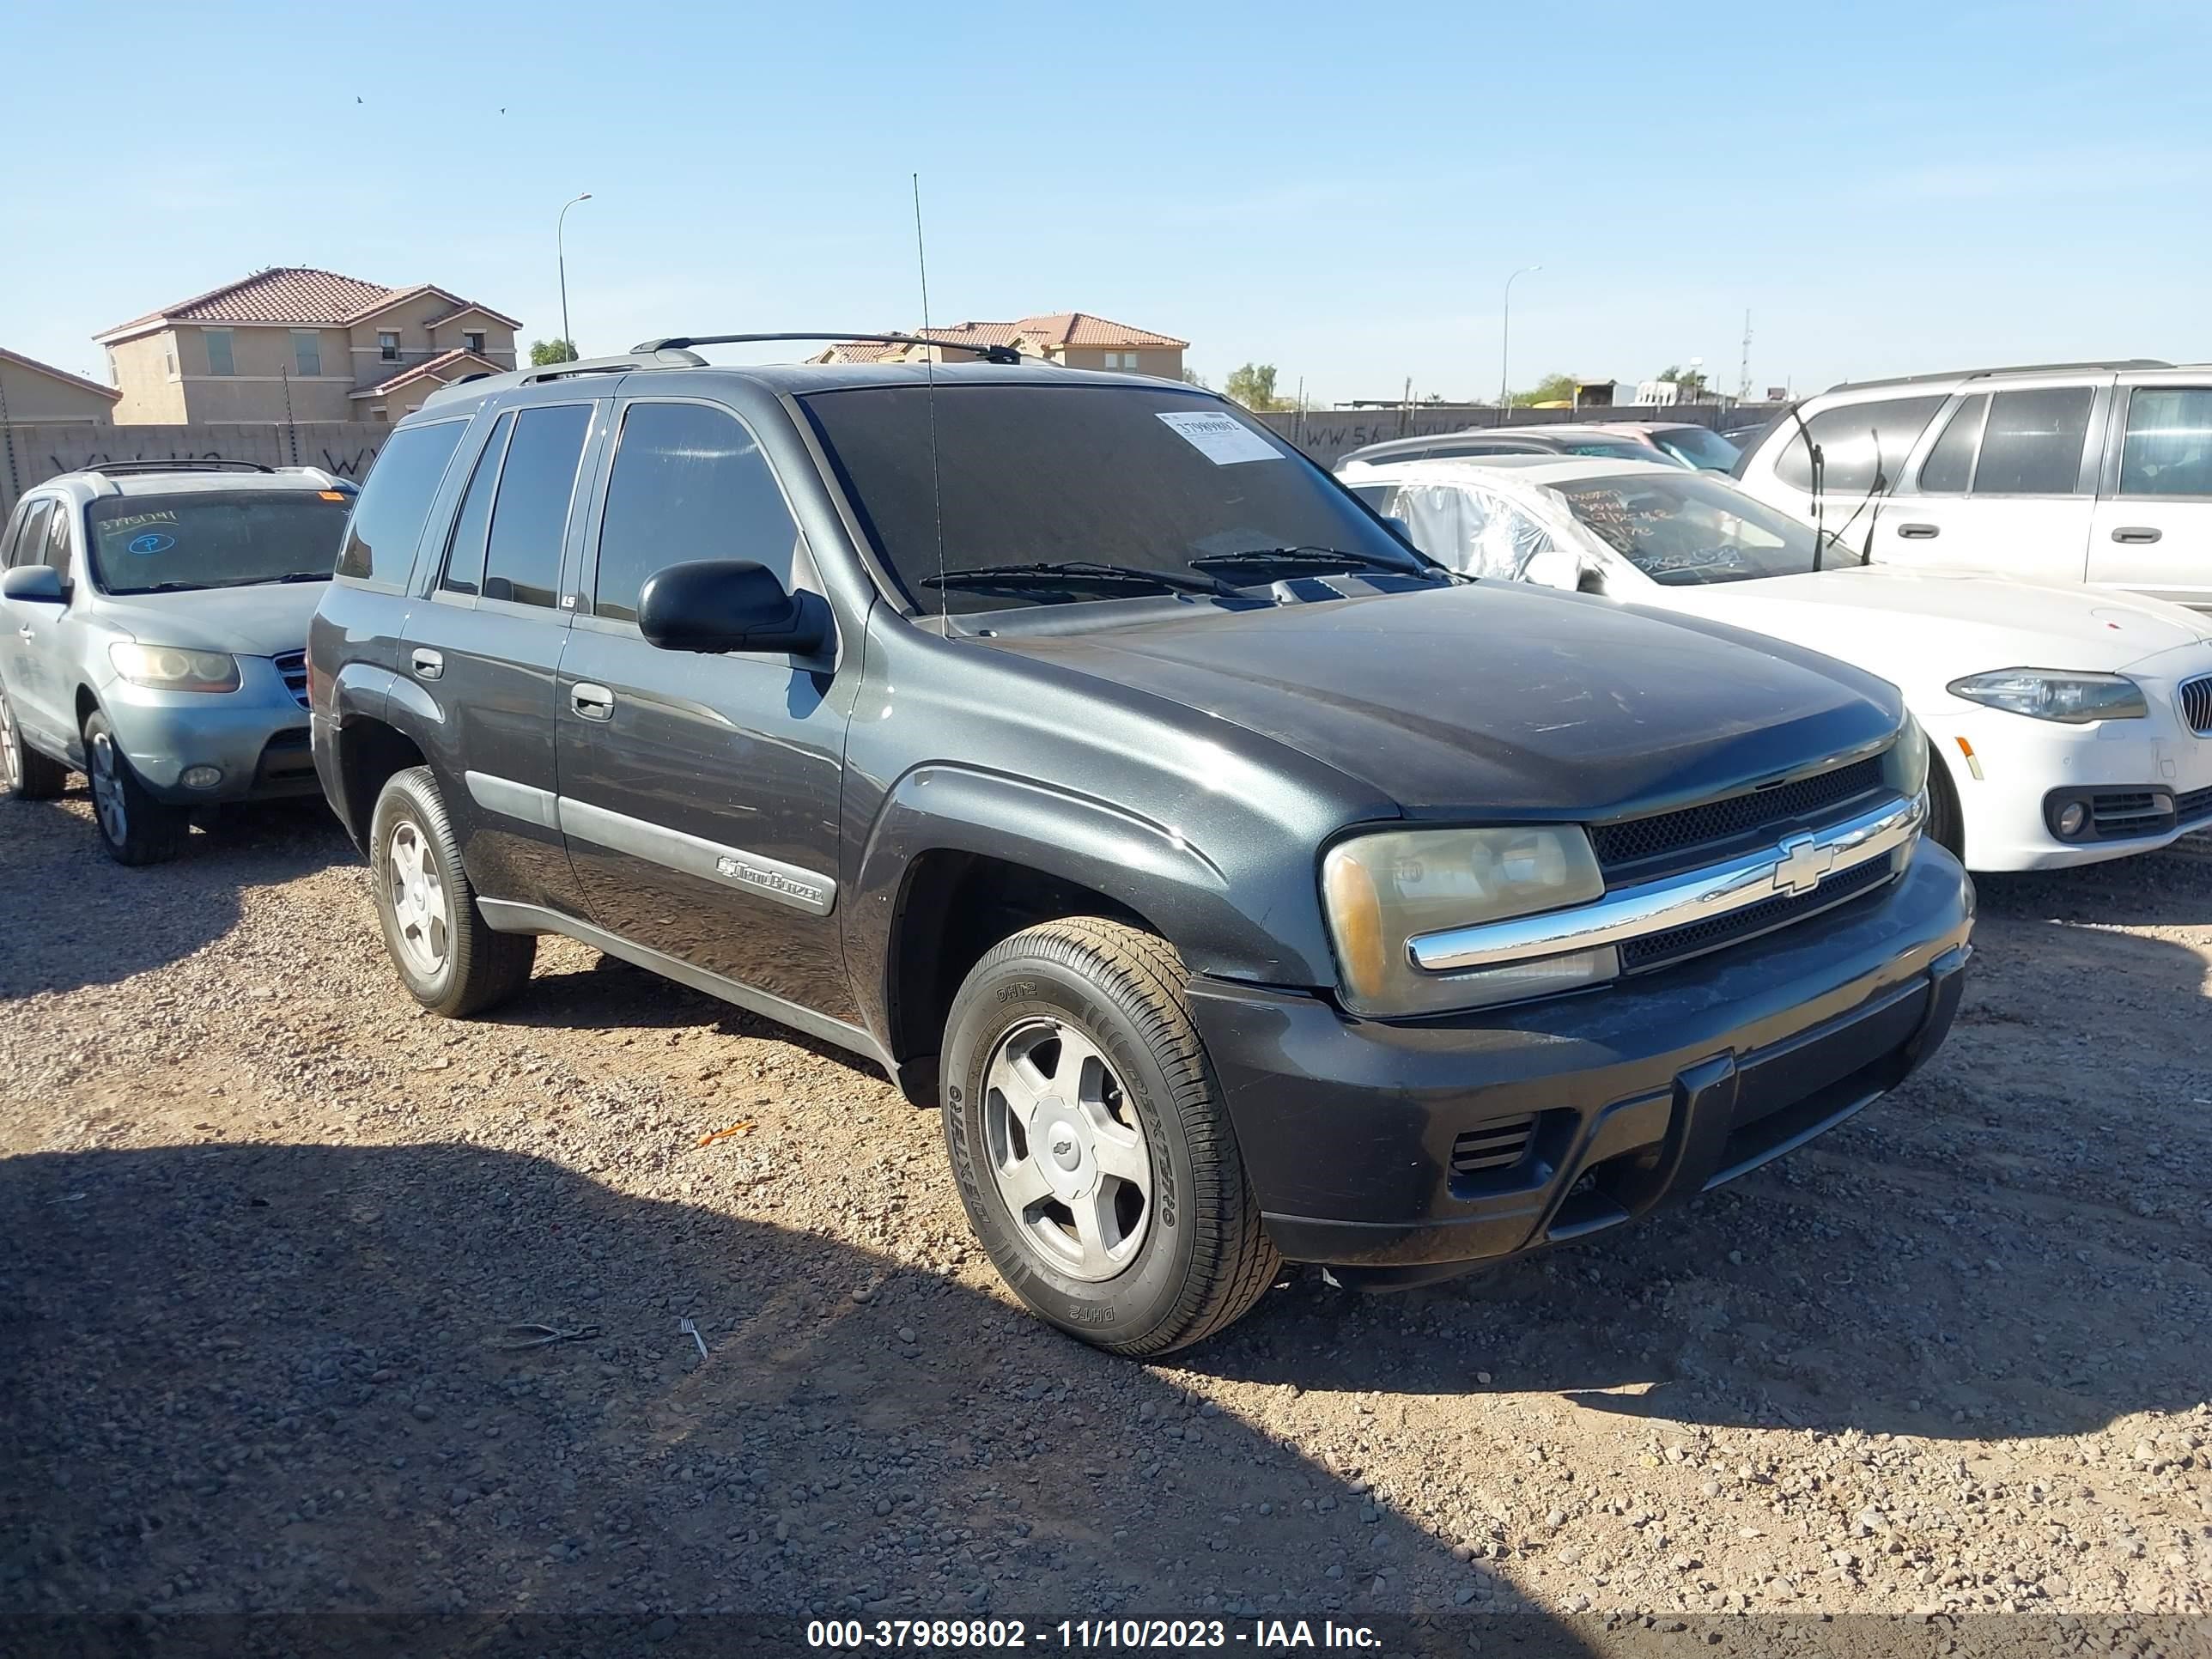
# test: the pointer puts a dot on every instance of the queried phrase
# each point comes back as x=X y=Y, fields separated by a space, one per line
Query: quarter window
x=220 y=359
x=465 y=552
x=395 y=503
x=1950 y=466
x=2031 y=445
x=307 y=352
x=1856 y=441
x=2168 y=447
x=530 y=518
x=689 y=482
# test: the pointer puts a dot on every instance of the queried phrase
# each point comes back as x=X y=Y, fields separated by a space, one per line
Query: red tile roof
x=429 y=366
x=287 y=294
x=1080 y=328
x=21 y=362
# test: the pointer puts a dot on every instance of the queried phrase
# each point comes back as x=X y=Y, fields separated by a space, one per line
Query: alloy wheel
x=422 y=917
x=106 y=775
x=11 y=759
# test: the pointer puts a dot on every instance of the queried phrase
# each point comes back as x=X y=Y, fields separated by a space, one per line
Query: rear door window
x=2167 y=449
x=30 y=544
x=395 y=503
x=1856 y=441
x=529 y=516
x=2031 y=445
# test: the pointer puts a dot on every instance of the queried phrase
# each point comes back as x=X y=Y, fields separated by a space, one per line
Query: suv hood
x=265 y=620
x=1499 y=700
x=1936 y=625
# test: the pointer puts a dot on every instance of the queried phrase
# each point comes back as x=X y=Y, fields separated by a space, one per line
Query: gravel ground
x=261 y=1223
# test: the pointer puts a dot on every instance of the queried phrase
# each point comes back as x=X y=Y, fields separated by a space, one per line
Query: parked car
x=1680 y=443
x=152 y=626
x=1503 y=440
x=1072 y=747
x=2067 y=727
x=2082 y=472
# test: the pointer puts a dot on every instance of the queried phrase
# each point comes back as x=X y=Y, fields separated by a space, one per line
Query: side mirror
x=715 y=605
x=37 y=584
x=1404 y=531
x=1554 y=567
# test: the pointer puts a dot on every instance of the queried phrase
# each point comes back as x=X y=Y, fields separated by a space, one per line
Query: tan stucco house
x=32 y=390
x=1073 y=339
x=292 y=343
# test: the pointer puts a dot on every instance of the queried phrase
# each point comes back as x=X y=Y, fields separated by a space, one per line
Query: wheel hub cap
x=421 y=921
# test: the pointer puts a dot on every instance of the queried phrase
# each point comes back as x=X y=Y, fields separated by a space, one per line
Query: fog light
x=201 y=777
x=2071 y=817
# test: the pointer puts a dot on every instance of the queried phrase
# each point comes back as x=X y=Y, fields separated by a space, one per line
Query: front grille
x=2119 y=813
x=2194 y=804
x=1493 y=1146
x=2197 y=704
x=1638 y=843
x=293 y=666
x=1654 y=950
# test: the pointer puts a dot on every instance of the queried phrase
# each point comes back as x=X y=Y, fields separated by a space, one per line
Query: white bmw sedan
x=2071 y=725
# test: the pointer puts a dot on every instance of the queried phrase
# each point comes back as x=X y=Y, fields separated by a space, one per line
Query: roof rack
x=989 y=354
x=2116 y=364
x=188 y=463
x=643 y=357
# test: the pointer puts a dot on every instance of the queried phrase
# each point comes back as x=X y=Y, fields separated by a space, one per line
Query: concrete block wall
x=30 y=453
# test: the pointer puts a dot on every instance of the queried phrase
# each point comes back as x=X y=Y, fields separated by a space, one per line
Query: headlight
x=1380 y=890
x=1905 y=768
x=2046 y=694
x=172 y=668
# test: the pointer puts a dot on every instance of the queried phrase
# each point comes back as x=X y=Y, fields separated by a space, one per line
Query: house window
x=388 y=344
x=1120 y=360
x=220 y=360
x=170 y=358
x=377 y=413
x=307 y=352
x=474 y=341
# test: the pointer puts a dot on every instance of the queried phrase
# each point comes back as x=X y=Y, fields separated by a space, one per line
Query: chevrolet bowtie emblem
x=1803 y=863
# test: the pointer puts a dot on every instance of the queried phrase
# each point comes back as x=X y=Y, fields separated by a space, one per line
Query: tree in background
x=1689 y=383
x=1254 y=386
x=543 y=352
x=1552 y=389
x=1192 y=377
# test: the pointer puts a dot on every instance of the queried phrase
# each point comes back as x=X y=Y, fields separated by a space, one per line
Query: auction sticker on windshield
x=1222 y=440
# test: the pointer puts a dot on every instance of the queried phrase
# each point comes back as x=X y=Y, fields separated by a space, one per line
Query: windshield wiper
x=299 y=576
x=1263 y=557
x=161 y=587
x=1077 y=573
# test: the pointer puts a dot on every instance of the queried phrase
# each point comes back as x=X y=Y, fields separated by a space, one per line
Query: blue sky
x=1341 y=192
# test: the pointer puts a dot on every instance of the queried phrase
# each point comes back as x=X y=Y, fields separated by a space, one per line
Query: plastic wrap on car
x=1467 y=532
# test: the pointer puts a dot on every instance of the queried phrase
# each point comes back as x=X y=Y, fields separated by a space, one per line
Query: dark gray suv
x=1242 y=886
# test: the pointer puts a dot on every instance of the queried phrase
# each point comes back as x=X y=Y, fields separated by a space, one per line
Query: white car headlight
x=2050 y=694
x=172 y=668
x=1380 y=890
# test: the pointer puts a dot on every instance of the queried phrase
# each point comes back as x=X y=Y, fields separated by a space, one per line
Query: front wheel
x=1086 y=1130
x=134 y=827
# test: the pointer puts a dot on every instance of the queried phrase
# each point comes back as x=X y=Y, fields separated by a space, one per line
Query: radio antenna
x=929 y=373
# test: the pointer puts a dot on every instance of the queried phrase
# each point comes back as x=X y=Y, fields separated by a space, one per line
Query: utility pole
x=561 y=255
x=1743 y=369
x=1505 y=331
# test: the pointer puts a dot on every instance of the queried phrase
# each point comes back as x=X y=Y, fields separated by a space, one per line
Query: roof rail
x=186 y=464
x=644 y=357
x=2116 y=364
x=989 y=354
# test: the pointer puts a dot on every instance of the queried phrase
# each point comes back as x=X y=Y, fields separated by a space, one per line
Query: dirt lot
x=259 y=1220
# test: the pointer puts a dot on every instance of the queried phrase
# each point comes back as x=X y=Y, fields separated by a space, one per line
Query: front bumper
x=256 y=736
x=1400 y=1152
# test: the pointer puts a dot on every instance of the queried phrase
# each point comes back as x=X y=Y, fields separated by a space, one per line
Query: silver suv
x=152 y=626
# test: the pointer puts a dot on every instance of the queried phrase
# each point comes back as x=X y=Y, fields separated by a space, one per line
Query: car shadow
x=88 y=920
x=2170 y=888
x=1947 y=1264
x=249 y=1379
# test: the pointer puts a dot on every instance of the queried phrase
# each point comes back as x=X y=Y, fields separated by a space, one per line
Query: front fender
x=1253 y=914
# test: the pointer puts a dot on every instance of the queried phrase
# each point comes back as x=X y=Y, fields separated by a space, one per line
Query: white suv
x=2076 y=472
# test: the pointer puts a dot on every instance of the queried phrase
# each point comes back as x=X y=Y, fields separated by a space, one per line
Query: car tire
x=448 y=957
x=1947 y=824
x=1073 y=1073
x=25 y=774
x=135 y=828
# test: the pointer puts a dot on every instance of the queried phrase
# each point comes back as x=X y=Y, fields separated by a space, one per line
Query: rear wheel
x=134 y=827
x=25 y=774
x=1093 y=1151
x=449 y=958
x=1947 y=825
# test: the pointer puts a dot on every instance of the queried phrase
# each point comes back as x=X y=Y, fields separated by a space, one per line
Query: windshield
x=1700 y=447
x=1684 y=529
x=148 y=544
x=1028 y=474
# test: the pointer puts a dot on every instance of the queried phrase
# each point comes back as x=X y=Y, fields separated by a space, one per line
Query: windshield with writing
x=1686 y=528
x=152 y=543
x=1034 y=473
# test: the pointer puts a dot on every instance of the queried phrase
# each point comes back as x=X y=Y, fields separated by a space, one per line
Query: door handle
x=428 y=664
x=26 y=632
x=593 y=702
x=2137 y=534
x=1916 y=532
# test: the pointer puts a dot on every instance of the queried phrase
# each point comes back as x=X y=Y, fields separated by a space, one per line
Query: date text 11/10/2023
x=1085 y=1635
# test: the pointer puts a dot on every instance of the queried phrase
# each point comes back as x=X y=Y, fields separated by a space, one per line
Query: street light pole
x=1505 y=332
x=561 y=254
